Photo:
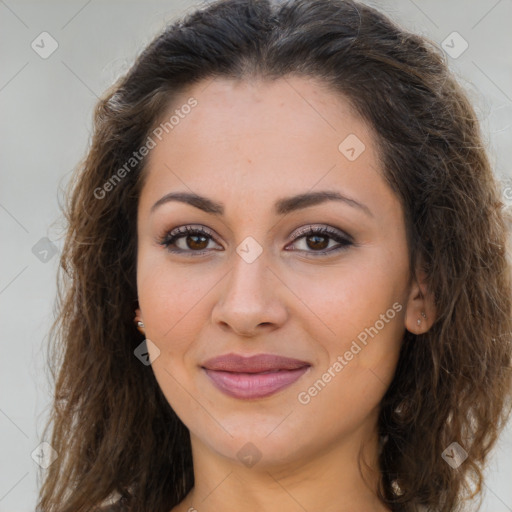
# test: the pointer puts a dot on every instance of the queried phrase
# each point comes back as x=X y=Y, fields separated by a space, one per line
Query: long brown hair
x=113 y=429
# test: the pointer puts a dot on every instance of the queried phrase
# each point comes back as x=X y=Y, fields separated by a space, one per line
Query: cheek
x=359 y=315
x=341 y=405
x=171 y=310
x=361 y=357
x=170 y=298
x=345 y=300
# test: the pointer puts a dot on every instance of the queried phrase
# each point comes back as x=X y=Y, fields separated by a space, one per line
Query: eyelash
x=171 y=237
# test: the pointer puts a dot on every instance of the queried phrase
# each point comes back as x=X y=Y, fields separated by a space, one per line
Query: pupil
x=316 y=244
x=193 y=245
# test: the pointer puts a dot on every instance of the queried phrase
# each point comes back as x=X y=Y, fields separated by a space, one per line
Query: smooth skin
x=246 y=145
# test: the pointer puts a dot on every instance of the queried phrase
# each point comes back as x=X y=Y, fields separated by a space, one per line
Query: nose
x=251 y=299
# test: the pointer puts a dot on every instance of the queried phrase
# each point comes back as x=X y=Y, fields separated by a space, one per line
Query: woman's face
x=253 y=281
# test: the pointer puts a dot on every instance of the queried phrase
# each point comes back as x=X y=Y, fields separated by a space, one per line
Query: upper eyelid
x=329 y=230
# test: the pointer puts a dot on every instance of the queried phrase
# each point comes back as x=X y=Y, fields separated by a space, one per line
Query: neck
x=329 y=480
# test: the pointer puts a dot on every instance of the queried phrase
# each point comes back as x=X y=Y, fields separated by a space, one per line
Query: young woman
x=286 y=276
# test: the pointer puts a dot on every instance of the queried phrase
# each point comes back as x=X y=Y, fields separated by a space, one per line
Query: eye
x=318 y=238
x=193 y=240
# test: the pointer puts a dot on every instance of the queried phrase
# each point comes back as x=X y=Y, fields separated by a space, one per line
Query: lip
x=253 y=377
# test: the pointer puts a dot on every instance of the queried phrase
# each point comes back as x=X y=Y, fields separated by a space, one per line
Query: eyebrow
x=281 y=207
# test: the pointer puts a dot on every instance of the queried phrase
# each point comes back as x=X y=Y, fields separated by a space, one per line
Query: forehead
x=247 y=137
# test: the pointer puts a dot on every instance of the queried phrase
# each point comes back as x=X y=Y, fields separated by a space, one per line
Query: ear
x=420 y=310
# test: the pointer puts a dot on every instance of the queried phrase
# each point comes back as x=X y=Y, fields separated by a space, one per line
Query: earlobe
x=139 y=322
x=420 y=310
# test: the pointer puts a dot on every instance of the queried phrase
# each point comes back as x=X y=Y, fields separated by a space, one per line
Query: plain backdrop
x=46 y=119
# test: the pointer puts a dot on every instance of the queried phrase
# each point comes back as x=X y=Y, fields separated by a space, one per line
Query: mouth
x=253 y=377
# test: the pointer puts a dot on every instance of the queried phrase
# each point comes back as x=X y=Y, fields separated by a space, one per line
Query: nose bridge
x=250 y=257
x=248 y=277
x=248 y=296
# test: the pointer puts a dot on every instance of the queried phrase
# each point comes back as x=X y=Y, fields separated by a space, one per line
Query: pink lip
x=243 y=377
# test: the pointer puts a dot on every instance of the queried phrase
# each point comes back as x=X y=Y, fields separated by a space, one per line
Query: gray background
x=46 y=111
